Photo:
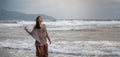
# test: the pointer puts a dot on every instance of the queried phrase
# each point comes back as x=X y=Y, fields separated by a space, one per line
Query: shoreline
x=4 y=52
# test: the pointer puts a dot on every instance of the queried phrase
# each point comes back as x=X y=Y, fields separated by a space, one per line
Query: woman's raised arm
x=27 y=30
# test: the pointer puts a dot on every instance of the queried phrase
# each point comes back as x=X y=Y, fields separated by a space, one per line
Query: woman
x=40 y=34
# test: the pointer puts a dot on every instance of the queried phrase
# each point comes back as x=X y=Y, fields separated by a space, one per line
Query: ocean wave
x=85 y=23
x=60 y=25
x=8 y=21
x=67 y=47
x=16 y=24
x=65 y=23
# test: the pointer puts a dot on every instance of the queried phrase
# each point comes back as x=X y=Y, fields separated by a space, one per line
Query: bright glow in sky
x=80 y=9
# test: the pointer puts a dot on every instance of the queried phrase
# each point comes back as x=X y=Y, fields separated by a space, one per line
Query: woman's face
x=40 y=20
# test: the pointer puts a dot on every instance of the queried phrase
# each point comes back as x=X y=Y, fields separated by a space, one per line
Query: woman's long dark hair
x=37 y=23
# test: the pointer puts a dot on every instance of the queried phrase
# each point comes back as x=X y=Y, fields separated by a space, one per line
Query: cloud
x=66 y=8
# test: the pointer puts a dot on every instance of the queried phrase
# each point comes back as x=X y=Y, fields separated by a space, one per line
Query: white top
x=40 y=35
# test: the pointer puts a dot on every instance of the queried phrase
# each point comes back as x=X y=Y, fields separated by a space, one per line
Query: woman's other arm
x=47 y=34
x=48 y=37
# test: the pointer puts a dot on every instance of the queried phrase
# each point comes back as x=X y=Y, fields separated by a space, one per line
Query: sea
x=13 y=36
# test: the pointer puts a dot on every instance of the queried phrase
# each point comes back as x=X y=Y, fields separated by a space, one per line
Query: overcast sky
x=80 y=9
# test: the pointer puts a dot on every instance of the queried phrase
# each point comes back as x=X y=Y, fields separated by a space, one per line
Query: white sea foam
x=67 y=47
x=80 y=22
x=87 y=47
x=17 y=44
x=62 y=25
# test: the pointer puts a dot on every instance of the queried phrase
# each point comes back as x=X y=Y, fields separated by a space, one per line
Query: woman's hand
x=25 y=28
x=49 y=42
